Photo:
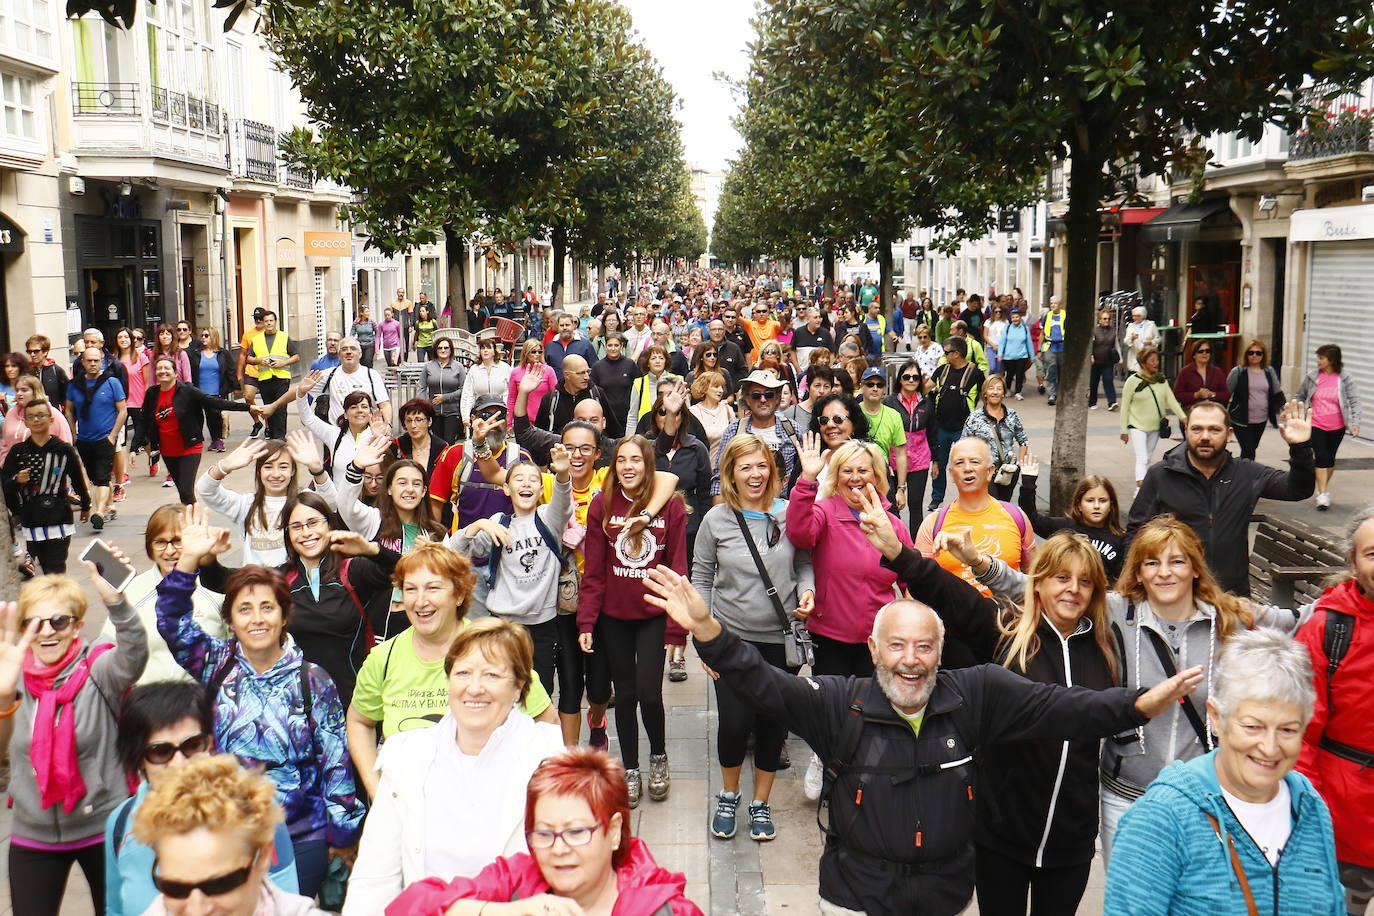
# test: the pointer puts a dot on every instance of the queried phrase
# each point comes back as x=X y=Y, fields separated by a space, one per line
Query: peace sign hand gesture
x=876 y=524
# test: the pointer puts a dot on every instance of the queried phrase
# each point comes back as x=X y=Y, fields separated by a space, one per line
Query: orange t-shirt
x=246 y=346
x=760 y=332
x=995 y=533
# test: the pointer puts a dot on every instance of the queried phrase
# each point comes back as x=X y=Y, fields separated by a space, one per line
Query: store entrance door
x=110 y=298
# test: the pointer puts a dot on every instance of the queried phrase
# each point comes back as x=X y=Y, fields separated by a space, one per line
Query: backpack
x=1014 y=511
x=1337 y=634
x=569 y=579
x=951 y=412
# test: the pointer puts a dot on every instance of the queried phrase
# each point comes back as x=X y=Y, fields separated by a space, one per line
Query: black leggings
x=1003 y=885
x=915 y=492
x=851 y=659
x=214 y=424
x=1325 y=442
x=51 y=554
x=634 y=650
x=183 y=469
x=577 y=669
x=1016 y=374
x=45 y=873
x=448 y=427
x=738 y=720
x=545 y=638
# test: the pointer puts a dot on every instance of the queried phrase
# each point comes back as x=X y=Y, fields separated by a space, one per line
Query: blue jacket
x=1016 y=342
x=261 y=719
x=1166 y=859
x=556 y=350
x=129 y=868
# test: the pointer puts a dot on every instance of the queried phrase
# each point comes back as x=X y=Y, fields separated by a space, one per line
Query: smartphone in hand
x=116 y=573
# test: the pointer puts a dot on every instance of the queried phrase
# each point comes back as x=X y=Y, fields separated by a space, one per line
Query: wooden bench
x=1290 y=561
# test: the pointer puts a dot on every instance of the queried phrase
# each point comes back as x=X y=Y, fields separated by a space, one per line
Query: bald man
x=557 y=407
x=910 y=850
x=537 y=441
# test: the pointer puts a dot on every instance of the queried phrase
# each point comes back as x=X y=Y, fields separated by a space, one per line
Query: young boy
x=526 y=554
x=36 y=475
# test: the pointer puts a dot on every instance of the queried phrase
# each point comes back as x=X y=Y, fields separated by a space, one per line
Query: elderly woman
x=272 y=708
x=1235 y=830
x=754 y=580
x=211 y=826
x=55 y=717
x=430 y=776
x=1000 y=427
x=582 y=857
x=163 y=726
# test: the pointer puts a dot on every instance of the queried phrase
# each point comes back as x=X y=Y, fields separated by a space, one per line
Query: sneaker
x=1042 y=388
x=97 y=521
x=217 y=445
x=1051 y=402
x=635 y=786
x=1092 y=406
x=119 y=494
x=761 y=822
x=723 y=822
x=1111 y=407
x=257 y=428
x=111 y=515
x=658 y=777
x=934 y=504
x=677 y=670
x=126 y=479
x=1018 y=396
x=597 y=734
x=815 y=773
x=1323 y=501
x=169 y=482
x=152 y=467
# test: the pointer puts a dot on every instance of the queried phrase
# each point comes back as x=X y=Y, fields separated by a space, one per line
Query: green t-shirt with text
x=396 y=688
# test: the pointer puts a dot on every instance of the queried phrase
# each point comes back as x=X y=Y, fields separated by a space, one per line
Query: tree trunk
x=828 y=268
x=1069 y=455
x=456 y=248
x=10 y=580
x=796 y=270
x=885 y=276
x=516 y=287
x=560 y=251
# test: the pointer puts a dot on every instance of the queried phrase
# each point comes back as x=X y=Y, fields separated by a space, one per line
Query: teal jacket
x=1166 y=859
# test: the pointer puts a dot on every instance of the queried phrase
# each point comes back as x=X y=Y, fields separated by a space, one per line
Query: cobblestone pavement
x=740 y=875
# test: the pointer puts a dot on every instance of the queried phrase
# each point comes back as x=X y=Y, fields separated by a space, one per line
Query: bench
x=1290 y=561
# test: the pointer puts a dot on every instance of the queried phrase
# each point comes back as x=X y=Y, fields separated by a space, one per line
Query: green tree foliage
x=1011 y=85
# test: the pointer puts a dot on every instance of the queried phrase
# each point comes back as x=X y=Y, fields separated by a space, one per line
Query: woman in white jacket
x=452 y=797
x=487 y=376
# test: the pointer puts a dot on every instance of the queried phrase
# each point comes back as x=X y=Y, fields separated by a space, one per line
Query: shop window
x=147 y=241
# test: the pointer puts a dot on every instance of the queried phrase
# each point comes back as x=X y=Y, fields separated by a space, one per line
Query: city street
x=739 y=875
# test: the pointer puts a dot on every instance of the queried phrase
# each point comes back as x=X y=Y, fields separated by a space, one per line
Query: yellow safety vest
x=278 y=349
x=1054 y=319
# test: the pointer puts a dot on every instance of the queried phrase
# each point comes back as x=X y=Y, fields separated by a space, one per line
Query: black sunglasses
x=761 y=395
x=911 y=378
x=58 y=622
x=1203 y=350
x=163 y=751
x=212 y=887
x=874 y=383
x=1254 y=352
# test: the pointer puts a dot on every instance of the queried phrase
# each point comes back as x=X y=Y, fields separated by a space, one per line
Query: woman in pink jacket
x=531 y=361
x=577 y=825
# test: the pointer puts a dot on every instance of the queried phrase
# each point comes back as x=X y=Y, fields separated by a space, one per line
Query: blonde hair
x=216 y=340
x=847 y=452
x=735 y=450
x=1020 y=637
x=212 y=793
x=526 y=348
x=52 y=588
x=500 y=642
x=704 y=380
x=1150 y=541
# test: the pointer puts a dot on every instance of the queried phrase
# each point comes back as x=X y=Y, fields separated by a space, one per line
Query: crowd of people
x=359 y=682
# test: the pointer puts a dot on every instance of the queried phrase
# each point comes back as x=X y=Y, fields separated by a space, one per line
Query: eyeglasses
x=211 y=887
x=911 y=378
x=58 y=622
x=761 y=395
x=374 y=478
x=161 y=544
x=163 y=751
x=580 y=449
x=837 y=419
x=1254 y=352
x=949 y=352
x=573 y=836
x=35 y=352
x=314 y=524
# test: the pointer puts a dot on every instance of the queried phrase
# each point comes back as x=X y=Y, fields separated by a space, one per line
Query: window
x=26 y=25
x=17 y=99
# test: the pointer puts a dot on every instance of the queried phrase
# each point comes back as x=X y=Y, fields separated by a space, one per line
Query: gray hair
x=1353 y=529
x=1139 y=311
x=1263 y=664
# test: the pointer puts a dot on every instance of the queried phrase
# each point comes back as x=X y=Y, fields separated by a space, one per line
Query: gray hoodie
x=727 y=578
x=1131 y=760
x=526 y=589
x=95 y=707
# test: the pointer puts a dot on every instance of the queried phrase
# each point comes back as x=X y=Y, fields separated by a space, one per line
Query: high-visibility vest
x=1053 y=321
x=260 y=350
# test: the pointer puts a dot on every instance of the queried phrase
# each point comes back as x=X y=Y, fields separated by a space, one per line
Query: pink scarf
x=53 y=751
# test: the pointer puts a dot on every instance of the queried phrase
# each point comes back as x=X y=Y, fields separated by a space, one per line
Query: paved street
x=741 y=876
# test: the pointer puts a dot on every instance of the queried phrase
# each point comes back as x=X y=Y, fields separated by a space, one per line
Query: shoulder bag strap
x=763 y=573
x=550 y=541
x=1166 y=661
x=1236 y=867
x=1149 y=386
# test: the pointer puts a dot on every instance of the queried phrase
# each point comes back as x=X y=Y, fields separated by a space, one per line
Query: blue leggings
x=312 y=864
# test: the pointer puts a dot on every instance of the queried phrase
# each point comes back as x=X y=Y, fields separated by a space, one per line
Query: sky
x=692 y=41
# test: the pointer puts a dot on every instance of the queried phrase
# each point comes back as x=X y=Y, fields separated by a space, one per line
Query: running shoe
x=169 y=482
x=1323 y=502
x=677 y=670
x=658 y=777
x=815 y=775
x=217 y=445
x=597 y=739
x=723 y=821
x=97 y=521
x=119 y=493
x=152 y=467
x=635 y=786
x=761 y=826
x=126 y=479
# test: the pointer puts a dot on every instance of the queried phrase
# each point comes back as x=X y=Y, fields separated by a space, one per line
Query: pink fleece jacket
x=851 y=583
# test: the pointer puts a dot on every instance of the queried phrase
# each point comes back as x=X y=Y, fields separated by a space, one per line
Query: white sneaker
x=1092 y=406
x=815 y=773
x=1018 y=396
x=1323 y=500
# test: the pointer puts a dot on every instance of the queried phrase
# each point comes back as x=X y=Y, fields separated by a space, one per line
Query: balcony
x=1341 y=126
x=105 y=100
x=179 y=110
x=253 y=148
x=295 y=178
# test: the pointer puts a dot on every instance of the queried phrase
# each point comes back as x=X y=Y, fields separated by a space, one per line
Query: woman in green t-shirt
x=402 y=684
x=425 y=326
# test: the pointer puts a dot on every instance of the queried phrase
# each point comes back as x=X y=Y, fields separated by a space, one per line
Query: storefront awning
x=1119 y=216
x=1182 y=222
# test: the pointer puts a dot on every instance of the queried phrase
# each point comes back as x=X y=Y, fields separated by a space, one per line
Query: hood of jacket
x=1196 y=780
x=1348 y=599
x=643 y=885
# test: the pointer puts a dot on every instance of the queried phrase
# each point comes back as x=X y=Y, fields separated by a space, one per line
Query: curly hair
x=213 y=793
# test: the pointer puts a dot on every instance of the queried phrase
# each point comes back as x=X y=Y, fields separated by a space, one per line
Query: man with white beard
x=899 y=748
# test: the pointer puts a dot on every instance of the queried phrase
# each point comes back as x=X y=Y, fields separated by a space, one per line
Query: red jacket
x=613 y=580
x=1190 y=380
x=644 y=888
x=1347 y=788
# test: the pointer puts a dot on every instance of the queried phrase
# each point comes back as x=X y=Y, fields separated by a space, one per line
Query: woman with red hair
x=582 y=858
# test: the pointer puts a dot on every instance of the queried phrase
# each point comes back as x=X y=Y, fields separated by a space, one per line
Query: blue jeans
x=1105 y=374
x=944 y=439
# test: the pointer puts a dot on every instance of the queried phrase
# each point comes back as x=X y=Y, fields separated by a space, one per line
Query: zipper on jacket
x=1063 y=763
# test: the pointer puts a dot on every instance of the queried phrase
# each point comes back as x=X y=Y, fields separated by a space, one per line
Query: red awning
x=1132 y=216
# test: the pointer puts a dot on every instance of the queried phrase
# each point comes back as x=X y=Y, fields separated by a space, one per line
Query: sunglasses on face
x=761 y=395
x=212 y=887
x=205 y=336
x=873 y=383
x=163 y=751
x=911 y=378
x=1204 y=351
x=1254 y=352
x=838 y=419
x=35 y=352
x=58 y=622
x=949 y=352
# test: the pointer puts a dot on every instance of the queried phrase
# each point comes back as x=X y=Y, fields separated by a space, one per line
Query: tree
x=1107 y=85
